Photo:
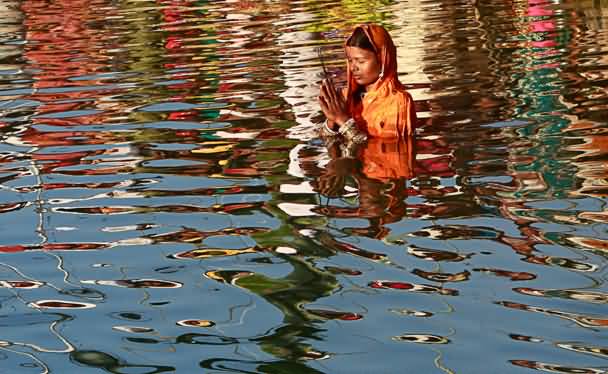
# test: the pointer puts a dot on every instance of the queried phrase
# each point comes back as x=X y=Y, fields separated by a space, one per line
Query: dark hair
x=360 y=40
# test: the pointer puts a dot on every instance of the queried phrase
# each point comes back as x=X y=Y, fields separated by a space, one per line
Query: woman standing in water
x=374 y=103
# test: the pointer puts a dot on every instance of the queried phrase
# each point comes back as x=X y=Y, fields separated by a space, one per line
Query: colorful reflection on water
x=166 y=205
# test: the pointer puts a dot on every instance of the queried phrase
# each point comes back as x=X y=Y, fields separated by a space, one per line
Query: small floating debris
x=286 y=250
x=60 y=304
x=422 y=339
x=133 y=329
x=195 y=323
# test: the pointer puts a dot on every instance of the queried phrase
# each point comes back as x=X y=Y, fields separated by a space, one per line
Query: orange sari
x=386 y=110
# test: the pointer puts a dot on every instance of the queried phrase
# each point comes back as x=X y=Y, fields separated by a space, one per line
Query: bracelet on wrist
x=326 y=130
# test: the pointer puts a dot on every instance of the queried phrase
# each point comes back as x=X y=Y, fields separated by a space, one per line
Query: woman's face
x=363 y=65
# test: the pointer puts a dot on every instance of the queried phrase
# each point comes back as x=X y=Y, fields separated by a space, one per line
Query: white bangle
x=327 y=130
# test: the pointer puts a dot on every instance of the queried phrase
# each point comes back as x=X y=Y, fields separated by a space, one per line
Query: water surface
x=167 y=206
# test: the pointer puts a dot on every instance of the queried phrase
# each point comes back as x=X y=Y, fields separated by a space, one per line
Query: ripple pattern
x=163 y=200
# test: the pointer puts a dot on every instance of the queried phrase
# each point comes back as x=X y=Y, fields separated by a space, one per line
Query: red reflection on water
x=64 y=41
x=391 y=285
x=333 y=314
x=539 y=12
x=55 y=247
x=13 y=248
x=60 y=304
x=423 y=288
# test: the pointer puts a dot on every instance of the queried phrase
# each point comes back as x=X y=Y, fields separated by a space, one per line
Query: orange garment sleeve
x=391 y=116
x=407 y=116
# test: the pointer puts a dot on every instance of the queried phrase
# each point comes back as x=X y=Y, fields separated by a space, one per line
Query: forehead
x=356 y=52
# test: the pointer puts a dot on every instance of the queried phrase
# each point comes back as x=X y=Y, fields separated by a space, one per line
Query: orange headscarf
x=386 y=110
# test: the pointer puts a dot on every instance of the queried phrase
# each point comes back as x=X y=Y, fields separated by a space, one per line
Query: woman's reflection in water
x=380 y=169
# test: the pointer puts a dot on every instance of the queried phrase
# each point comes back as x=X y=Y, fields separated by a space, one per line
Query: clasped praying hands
x=332 y=104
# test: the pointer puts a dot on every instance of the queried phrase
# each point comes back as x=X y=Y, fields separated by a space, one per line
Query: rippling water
x=166 y=205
